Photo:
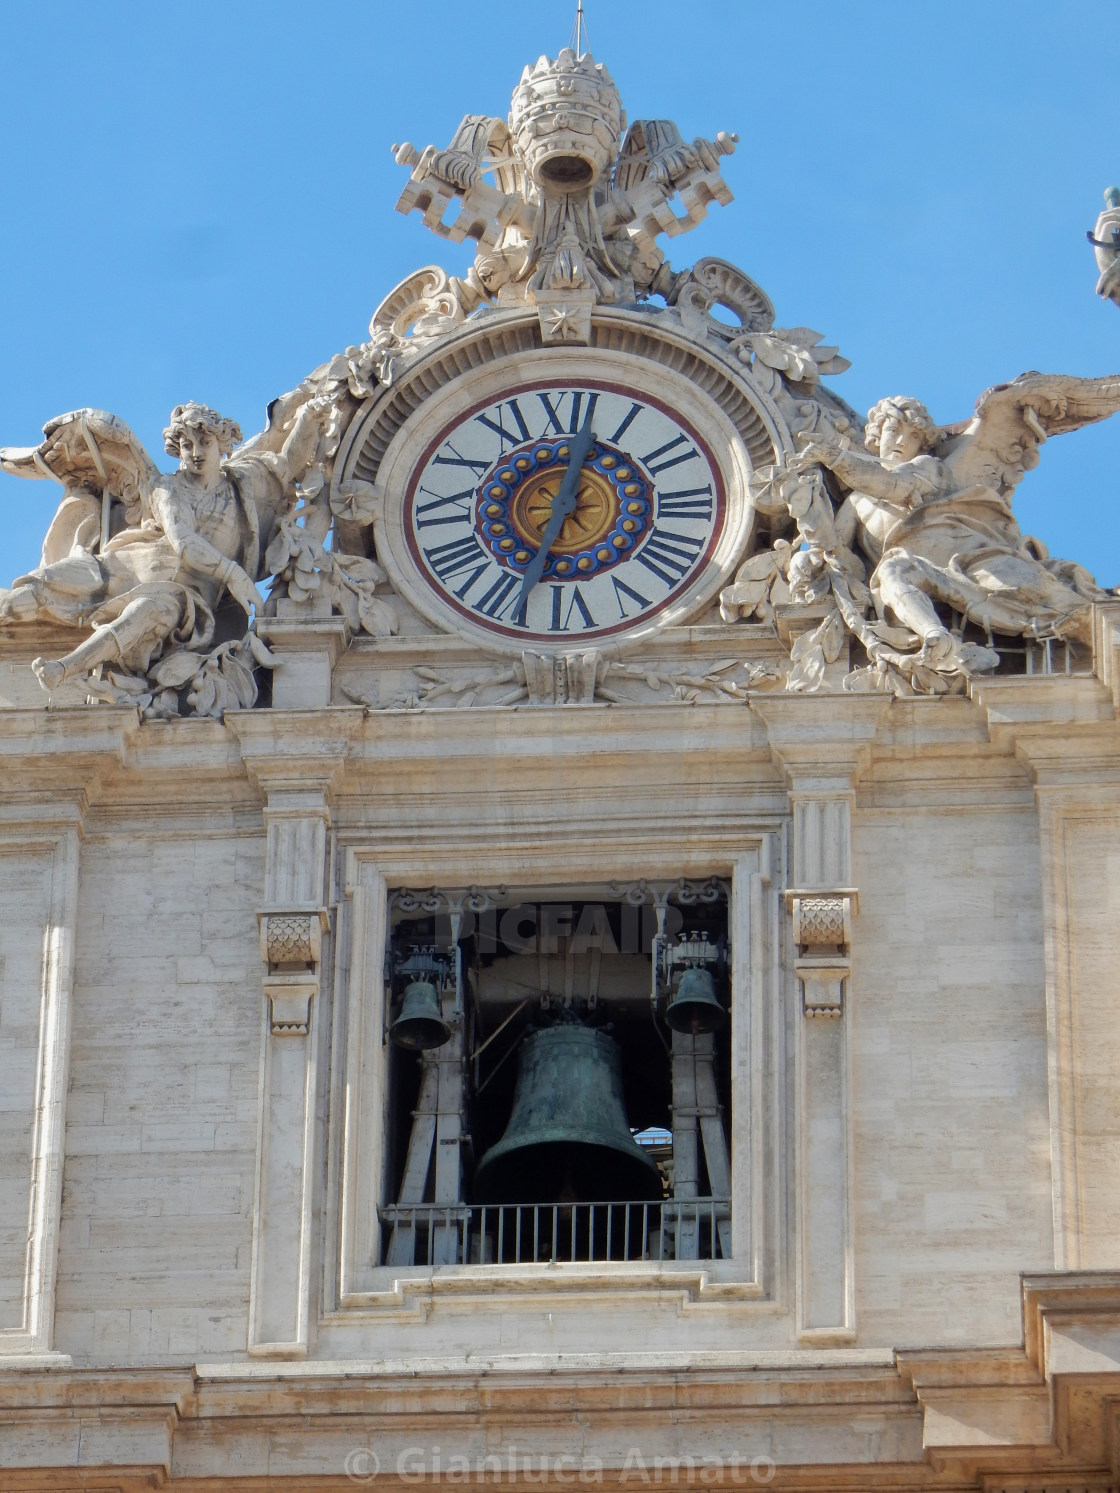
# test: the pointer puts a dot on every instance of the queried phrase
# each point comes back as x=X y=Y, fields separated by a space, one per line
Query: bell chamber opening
x=559 y=1075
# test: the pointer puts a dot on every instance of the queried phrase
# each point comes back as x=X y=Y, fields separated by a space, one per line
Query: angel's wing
x=92 y=450
x=1012 y=420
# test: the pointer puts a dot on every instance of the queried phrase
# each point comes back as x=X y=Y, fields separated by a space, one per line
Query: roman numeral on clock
x=576 y=411
x=576 y=603
x=455 y=460
x=514 y=436
x=689 y=502
x=497 y=600
x=674 y=461
x=454 y=509
x=456 y=555
x=621 y=589
x=626 y=422
x=669 y=555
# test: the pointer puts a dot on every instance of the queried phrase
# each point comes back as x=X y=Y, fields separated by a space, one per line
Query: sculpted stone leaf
x=356 y=501
x=176 y=669
x=812 y=651
x=361 y=569
x=279 y=552
x=377 y=617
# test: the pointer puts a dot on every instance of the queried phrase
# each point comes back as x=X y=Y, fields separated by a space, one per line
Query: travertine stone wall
x=162 y=1109
x=1085 y=866
x=978 y=1010
x=952 y=1158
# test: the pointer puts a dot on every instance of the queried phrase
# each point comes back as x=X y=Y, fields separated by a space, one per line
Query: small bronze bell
x=695 y=1007
x=420 y=1025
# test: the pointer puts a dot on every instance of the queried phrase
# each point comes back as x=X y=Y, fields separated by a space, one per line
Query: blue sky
x=198 y=201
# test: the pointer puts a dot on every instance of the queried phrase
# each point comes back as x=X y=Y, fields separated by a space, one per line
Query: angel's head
x=200 y=437
x=900 y=428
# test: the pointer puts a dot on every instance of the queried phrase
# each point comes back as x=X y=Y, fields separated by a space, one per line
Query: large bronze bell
x=567 y=1140
x=695 y=1007
x=420 y=1025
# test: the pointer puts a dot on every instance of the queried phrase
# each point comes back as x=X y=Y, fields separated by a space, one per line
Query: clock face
x=649 y=511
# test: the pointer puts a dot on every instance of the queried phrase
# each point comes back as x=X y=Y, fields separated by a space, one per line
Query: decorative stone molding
x=1032 y=1419
x=291 y=939
x=289 y=1003
x=822 y=918
x=823 y=984
x=822 y=921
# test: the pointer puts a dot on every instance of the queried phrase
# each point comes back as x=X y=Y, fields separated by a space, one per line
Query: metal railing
x=544 y=1233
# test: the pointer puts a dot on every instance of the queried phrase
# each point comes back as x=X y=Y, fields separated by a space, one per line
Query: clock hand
x=563 y=505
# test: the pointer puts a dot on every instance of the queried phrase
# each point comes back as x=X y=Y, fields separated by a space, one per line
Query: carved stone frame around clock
x=388 y=435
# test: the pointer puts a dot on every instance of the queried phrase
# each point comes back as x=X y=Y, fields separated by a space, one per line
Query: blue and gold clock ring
x=613 y=513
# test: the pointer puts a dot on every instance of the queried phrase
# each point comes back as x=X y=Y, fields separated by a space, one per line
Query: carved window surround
x=358 y=1285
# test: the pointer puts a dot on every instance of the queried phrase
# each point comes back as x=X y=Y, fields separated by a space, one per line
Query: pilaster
x=51 y=764
x=822 y=746
x=295 y=762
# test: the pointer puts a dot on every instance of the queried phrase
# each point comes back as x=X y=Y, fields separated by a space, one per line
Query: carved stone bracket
x=292 y=940
x=562 y=679
x=289 y=1003
x=822 y=918
x=823 y=985
x=291 y=947
x=306 y=642
x=565 y=315
x=822 y=931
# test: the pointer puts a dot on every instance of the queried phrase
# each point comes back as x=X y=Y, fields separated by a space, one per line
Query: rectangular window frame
x=355 y=1281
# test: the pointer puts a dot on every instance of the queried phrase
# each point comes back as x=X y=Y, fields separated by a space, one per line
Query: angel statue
x=928 y=513
x=142 y=557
